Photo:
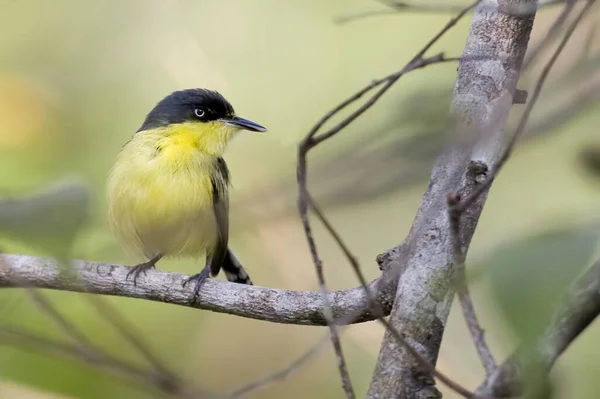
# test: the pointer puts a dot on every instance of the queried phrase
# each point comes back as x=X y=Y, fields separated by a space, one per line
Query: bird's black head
x=195 y=105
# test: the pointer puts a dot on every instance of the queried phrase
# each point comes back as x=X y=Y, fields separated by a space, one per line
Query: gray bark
x=268 y=304
x=482 y=99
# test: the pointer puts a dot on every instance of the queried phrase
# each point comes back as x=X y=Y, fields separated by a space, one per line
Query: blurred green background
x=77 y=78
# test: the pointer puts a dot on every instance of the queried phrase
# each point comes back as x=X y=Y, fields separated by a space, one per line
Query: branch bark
x=268 y=304
x=579 y=310
x=482 y=99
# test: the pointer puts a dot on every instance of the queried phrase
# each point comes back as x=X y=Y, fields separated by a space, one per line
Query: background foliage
x=76 y=79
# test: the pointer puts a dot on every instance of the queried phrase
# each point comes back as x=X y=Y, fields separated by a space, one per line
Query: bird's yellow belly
x=156 y=209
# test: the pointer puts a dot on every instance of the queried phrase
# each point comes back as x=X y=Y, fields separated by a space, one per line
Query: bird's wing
x=220 y=182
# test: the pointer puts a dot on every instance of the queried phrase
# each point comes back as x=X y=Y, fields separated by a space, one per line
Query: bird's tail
x=233 y=269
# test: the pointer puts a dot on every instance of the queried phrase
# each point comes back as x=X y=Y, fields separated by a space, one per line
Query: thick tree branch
x=482 y=99
x=268 y=304
x=520 y=130
x=456 y=207
x=376 y=311
x=313 y=139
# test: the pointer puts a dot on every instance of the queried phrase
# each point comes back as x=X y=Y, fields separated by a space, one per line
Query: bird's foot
x=141 y=268
x=200 y=279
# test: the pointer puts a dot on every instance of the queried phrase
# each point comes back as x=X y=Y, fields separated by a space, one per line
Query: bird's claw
x=139 y=269
x=200 y=279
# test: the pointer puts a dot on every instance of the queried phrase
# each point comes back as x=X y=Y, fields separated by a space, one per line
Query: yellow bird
x=168 y=190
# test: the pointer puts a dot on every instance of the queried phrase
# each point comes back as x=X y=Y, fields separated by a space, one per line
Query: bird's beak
x=244 y=124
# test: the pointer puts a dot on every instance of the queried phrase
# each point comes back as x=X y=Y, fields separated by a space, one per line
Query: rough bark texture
x=482 y=99
x=269 y=304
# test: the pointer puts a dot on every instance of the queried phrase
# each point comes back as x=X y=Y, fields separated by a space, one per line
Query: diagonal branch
x=482 y=100
x=553 y=32
x=579 y=309
x=456 y=207
x=312 y=139
x=399 y=7
x=469 y=200
x=284 y=372
x=134 y=338
x=327 y=310
x=462 y=289
x=456 y=387
x=91 y=353
x=61 y=322
x=128 y=373
x=268 y=304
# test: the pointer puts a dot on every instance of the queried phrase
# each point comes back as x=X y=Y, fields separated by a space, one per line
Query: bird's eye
x=199 y=112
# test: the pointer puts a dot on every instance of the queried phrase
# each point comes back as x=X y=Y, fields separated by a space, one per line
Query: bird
x=168 y=190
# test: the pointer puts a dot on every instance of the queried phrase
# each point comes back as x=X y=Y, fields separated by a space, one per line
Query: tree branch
x=456 y=387
x=135 y=339
x=313 y=139
x=578 y=311
x=456 y=207
x=141 y=377
x=284 y=372
x=399 y=7
x=462 y=289
x=519 y=131
x=482 y=99
x=268 y=304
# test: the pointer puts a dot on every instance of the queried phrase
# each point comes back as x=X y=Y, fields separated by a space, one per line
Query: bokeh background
x=77 y=78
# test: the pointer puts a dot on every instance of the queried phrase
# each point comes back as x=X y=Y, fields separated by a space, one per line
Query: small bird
x=168 y=190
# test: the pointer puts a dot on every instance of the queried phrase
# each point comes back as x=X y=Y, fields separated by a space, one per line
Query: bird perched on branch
x=168 y=190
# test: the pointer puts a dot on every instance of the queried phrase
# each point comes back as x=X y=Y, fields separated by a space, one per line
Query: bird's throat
x=184 y=141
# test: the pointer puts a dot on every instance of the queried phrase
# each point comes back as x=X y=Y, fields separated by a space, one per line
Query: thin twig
x=397 y=7
x=349 y=256
x=553 y=31
x=580 y=307
x=114 y=318
x=120 y=324
x=456 y=207
x=388 y=82
x=311 y=140
x=283 y=373
x=428 y=366
x=160 y=376
x=468 y=309
x=129 y=373
x=301 y=360
x=586 y=49
x=335 y=339
x=468 y=201
x=415 y=63
x=393 y=77
x=88 y=351
x=13 y=334
x=377 y=311
x=67 y=327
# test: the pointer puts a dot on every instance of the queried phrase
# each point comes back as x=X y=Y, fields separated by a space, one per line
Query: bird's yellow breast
x=160 y=192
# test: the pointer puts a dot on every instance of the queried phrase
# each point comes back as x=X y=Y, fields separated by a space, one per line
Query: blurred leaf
x=49 y=220
x=530 y=277
x=399 y=151
x=589 y=158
